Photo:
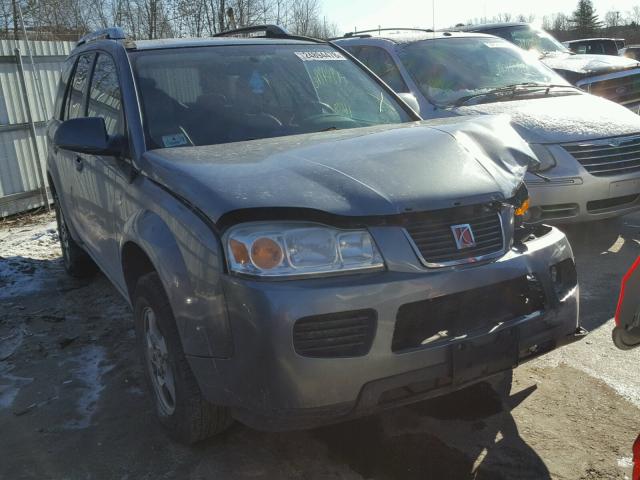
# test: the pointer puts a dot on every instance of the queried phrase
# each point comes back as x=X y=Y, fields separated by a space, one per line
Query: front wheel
x=183 y=411
x=77 y=262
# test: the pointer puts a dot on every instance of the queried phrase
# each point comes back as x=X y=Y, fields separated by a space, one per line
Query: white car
x=589 y=147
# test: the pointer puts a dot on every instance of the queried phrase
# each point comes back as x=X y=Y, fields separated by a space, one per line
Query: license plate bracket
x=624 y=188
x=484 y=356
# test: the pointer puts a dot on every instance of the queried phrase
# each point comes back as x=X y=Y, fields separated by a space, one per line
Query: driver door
x=96 y=188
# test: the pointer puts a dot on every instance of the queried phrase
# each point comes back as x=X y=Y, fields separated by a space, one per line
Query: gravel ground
x=73 y=402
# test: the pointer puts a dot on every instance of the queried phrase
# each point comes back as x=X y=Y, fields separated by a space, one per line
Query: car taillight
x=623 y=286
x=636 y=459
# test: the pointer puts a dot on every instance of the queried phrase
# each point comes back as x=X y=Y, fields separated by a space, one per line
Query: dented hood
x=380 y=170
x=560 y=119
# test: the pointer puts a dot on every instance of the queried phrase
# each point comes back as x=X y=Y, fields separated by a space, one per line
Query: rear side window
x=104 y=95
x=77 y=91
x=382 y=64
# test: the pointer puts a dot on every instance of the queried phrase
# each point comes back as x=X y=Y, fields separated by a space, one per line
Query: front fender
x=186 y=255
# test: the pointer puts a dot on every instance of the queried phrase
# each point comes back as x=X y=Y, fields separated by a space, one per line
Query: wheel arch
x=149 y=243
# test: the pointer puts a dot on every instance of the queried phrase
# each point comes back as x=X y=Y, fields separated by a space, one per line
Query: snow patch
x=10 y=343
x=28 y=255
x=89 y=370
x=10 y=386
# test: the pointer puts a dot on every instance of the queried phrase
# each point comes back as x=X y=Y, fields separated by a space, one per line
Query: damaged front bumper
x=272 y=382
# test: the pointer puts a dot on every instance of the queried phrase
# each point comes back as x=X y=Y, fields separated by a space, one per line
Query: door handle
x=79 y=164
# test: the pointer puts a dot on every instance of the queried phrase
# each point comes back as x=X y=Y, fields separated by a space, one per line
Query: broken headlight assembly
x=299 y=249
x=520 y=202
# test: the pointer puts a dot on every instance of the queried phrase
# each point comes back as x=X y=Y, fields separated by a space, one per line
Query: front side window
x=382 y=64
x=77 y=90
x=65 y=74
x=221 y=94
x=449 y=69
x=104 y=95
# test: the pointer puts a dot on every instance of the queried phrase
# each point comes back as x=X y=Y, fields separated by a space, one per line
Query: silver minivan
x=589 y=147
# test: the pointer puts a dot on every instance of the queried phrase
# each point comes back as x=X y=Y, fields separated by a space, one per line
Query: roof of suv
x=491 y=26
x=408 y=37
x=273 y=34
x=592 y=40
x=203 y=42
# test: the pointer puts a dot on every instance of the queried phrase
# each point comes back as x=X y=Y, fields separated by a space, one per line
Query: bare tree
x=633 y=15
x=612 y=19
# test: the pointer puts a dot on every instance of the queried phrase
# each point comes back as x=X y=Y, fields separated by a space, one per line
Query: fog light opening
x=564 y=279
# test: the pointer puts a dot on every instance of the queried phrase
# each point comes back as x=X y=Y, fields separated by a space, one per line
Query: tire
x=180 y=406
x=77 y=262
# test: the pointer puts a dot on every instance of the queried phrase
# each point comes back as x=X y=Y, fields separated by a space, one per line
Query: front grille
x=614 y=156
x=611 y=202
x=344 y=334
x=444 y=318
x=624 y=90
x=434 y=239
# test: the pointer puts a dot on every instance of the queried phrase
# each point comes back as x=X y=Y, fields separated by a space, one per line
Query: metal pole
x=32 y=129
x=35 y=74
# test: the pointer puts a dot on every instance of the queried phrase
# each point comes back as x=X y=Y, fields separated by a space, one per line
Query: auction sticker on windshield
x=319 y=55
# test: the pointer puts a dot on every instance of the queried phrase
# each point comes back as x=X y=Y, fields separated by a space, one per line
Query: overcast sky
x=366 y=14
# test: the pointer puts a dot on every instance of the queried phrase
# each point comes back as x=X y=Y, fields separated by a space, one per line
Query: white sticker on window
x=319 y=55
x=175 y=140
x=495 y=44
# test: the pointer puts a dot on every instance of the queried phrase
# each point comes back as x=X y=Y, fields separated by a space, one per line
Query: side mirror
x=410 y=100
x=88 y=135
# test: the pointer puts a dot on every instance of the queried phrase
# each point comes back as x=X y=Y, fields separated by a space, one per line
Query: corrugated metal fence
x=20 y=180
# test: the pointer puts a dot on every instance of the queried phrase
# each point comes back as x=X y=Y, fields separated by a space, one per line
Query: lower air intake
x=344 y=334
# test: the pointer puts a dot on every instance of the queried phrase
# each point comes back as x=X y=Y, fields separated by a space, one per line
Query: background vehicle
x=589 y=147
x=595 y=46
x=631 y=51
x=296 y=247
x=611 y=77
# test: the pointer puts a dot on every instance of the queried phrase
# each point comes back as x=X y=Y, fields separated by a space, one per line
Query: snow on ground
x=29 y=255
x=89 y=367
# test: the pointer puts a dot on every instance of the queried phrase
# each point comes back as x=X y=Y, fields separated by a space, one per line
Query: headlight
x=290 y=249
x=547 y=161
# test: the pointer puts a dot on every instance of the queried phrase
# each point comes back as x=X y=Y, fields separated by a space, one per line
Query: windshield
x=212 y=95
x=532 y=39
x=446 y=70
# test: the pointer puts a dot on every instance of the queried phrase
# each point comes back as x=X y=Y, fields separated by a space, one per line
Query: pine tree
x=585 y=21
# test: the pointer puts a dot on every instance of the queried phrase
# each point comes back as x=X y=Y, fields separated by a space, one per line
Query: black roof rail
x=364 y=33
x=111 y=33
x=268 y=31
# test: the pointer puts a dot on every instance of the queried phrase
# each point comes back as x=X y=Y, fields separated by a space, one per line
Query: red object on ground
x=636 y=459
x=622 y=288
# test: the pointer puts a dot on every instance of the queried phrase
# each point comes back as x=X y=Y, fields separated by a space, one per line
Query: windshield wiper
x=539 y=175
x=511 y=91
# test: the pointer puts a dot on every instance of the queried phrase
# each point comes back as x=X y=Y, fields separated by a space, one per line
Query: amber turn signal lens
x=266 y=253
x=522 y=209
x=239 y=251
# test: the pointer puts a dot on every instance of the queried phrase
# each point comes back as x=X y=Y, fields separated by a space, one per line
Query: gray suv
x=297 y=247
